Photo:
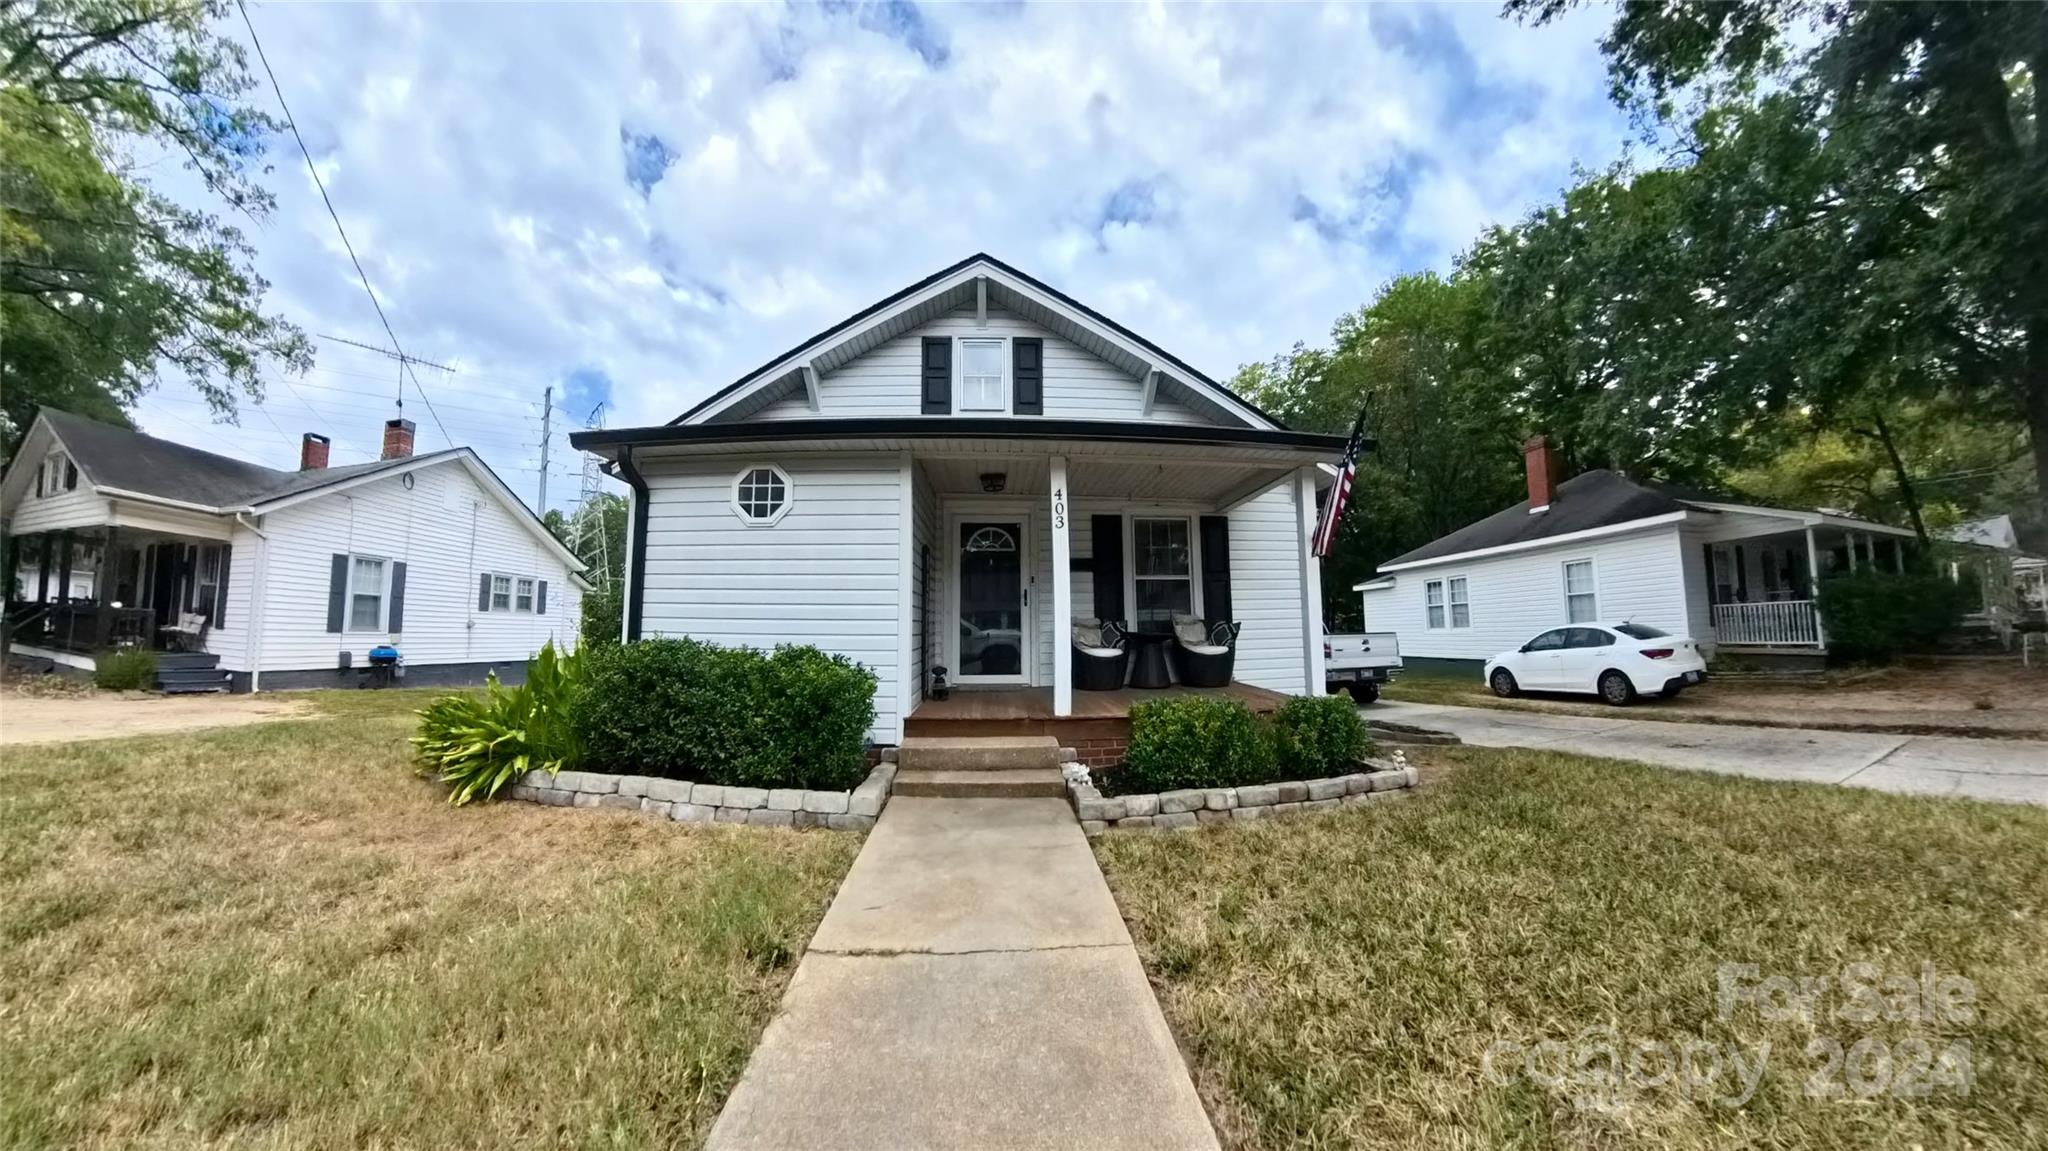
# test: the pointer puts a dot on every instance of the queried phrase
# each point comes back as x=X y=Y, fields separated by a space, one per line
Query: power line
x=291 y=122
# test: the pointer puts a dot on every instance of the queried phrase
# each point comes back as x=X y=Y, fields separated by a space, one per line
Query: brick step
x=979 y=753
x=986 y=783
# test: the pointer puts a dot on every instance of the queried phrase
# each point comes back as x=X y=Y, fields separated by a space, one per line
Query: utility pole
x=547 y=432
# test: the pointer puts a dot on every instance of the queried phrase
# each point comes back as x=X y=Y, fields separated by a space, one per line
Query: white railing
x=1782 y=623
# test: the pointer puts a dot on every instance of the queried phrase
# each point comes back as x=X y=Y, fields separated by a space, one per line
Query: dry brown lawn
x=276 y=936
x=1340 y=980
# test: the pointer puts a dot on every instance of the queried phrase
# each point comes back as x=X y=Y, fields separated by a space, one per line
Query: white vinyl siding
x=827 y=573
x=446 y=529
x=885 y=381
x=1639 y=577
x=1265 y=590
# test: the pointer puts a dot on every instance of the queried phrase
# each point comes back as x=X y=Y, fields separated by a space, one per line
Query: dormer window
x=983 y=380
x=59 y=474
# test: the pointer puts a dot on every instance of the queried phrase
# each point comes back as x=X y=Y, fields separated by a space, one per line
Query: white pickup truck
x=1361 y=664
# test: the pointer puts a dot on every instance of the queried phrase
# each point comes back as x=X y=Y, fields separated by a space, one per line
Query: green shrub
x=1318 y=736
x=602 y=612
x=1876 y=615
x=1194 y=741
x=683 y=709
x=124 y=669
x=479 y=744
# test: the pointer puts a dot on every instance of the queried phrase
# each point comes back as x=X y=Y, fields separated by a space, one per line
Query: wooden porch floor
x=1035 y=703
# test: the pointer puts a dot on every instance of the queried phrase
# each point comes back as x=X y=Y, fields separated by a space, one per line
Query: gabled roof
x=953 y=287
x=123 y=462
x=1603 y=501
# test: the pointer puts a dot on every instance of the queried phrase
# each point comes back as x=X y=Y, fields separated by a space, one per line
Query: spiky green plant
x=479 y=744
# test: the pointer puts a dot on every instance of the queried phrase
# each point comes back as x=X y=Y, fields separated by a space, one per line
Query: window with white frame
x=982 y=377
x=522 y=594
x=1461 y=603
x=207 y=586
x=366 y=586
x=501 y=593
x=1162 y=570
x=1433 y=602
x=59 y=474
x=1581 y=605
x=760 y=494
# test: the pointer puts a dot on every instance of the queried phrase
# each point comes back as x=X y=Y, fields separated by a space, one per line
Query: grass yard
x=1339 y=981
x=276 y=936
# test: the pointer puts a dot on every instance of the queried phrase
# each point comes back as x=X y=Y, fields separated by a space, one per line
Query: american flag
x=1340 y=494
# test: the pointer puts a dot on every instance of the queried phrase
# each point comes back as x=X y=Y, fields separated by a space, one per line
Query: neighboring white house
x=1738 y=578
x=291 y=577
x=951 y=476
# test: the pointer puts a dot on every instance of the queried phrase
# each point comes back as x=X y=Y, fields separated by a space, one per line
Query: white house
x=950 y=477
x=1738 y=578
x=276 y=579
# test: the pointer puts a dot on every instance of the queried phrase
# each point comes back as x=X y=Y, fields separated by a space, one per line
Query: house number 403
x=1059 y=508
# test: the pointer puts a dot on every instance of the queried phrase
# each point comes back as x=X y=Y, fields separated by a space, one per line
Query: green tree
x=596 y=532
x=1447 y=450
x=1889 y=163
x=104 y=282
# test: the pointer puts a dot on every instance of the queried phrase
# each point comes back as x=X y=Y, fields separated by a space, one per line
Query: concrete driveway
x=2007 y=770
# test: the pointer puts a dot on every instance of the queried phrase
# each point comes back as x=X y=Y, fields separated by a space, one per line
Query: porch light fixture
x=993 y=481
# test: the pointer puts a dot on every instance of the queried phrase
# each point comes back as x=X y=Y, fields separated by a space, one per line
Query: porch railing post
x=1313 y=680
x=1062 y=593
x=1820 y=635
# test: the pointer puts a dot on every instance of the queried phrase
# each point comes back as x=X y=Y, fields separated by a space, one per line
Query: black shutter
x=1741 y=576
x=337 y=590
x=938 y=376
x=40 y=469
x=1216 y=569
x=483 y=592
x=397 y=617
x=540 y=598
x=1027 y=377
x=1108 y=567
x=70 y=476
x=220 y=591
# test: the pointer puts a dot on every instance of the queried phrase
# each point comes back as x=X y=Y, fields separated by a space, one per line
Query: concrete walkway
x=972 y=986
x=2007 y=770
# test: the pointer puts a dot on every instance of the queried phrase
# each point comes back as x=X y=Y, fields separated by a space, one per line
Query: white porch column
x=1813 y=588
x=1062 y=595
x=1311 y=585
x=1850 y=538
x=1898 y=556
x=909 y=692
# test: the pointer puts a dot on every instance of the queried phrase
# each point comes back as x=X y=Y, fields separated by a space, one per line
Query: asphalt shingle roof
x=116 y=457
x=1595 y=499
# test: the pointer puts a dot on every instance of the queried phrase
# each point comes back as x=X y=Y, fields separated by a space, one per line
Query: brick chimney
x=312 y=452
x=397 y=439
x=1540 y=463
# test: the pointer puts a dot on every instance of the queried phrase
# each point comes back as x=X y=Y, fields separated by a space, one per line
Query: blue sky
x=636 y=203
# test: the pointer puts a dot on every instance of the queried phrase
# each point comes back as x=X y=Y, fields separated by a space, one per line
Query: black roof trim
x=948 y=427
x=892 y=300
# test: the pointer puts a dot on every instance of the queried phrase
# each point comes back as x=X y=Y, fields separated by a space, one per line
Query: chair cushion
x=1098 y=652
x=1087 y=633
x=1205 y=648
x=1189 y=628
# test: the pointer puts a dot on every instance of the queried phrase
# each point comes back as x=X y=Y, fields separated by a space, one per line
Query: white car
x=1616 y=661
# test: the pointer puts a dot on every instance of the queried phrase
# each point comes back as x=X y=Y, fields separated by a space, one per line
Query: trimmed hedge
x=1876 y=615
x=1317 y=737
x=682 y=709
x=1195 y=741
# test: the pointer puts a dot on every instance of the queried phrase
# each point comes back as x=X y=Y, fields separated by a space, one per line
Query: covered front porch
x=85 y=590
x=1751 y=577
x=1097 y=727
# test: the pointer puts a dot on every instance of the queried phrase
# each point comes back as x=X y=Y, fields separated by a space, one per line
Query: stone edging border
x=1190 y=808
x=686 y=802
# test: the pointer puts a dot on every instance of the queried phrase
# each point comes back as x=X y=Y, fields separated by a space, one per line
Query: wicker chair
x=1099 y=655
x=1204 y=655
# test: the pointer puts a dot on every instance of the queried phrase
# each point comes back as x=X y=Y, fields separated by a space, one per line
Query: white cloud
x=818 y=162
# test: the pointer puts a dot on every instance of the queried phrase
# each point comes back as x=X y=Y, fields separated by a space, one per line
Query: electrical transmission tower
x=593 y=544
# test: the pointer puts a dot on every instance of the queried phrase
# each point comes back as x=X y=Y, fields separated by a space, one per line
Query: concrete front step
x=978 y=753
x=982 y=783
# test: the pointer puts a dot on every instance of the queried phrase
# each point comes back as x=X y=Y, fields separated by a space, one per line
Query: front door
x=991 y=601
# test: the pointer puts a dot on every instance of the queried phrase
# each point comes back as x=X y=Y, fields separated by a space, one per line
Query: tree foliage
x=105 y=282
x=1862 y=189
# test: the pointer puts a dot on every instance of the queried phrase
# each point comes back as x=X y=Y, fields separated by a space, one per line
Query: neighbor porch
x=1751 y=575
x=85 y=590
